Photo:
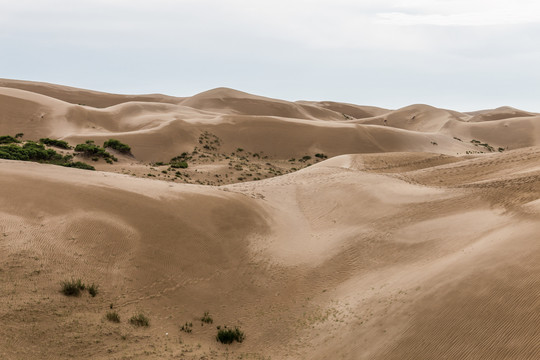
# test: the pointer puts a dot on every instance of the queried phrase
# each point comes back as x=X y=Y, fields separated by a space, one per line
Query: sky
x=462 y=55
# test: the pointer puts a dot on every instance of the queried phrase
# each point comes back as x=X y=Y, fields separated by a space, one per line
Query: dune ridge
x=398 y=238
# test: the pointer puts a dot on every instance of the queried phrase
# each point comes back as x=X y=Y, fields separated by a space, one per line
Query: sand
x=404 y=241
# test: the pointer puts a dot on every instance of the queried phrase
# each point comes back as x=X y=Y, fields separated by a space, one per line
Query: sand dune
x=83 y=97
x=404 y=241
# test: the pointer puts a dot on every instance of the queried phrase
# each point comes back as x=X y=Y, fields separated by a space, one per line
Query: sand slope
x=392 y=248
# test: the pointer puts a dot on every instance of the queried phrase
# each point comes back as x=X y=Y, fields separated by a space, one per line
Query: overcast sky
x=463 y=55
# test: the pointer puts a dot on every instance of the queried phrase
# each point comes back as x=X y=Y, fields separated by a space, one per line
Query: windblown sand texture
x=407 y=242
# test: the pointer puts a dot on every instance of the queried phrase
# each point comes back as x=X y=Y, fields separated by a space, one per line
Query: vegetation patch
x=228 y=336
x=93 y=290
x=118 y=146
x=56 y=143
x=206 y=318
x=179 y=165
x=6 y=139
x=187 y=328
x=90 y=149
x=113 y=316
x=72 y=287
x=139 y=320
x=32 y=151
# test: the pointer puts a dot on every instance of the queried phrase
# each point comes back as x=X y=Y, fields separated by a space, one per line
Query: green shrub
x=179 y=165
x=117 y=145
x=32 y=151
x=139 y=320
x=72 y=287
x=113 y=316
x=57 y=143
x=227 y=336
x=206 y=318
x=79 y=165
x=321 y=156
x=92 y=150
x=6 y=139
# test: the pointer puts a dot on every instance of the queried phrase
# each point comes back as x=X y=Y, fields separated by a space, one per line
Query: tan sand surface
x=404 y=241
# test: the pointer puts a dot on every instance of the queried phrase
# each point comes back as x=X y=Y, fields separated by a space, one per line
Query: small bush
x=113 y=316
x=206 y=318
x=57 y=143
x=321 y=156
x=72 y=287
x=19 y=135
x=179 y=165
x=117 y=145
x=228 y=336
x=139 y=320
x=93 y=290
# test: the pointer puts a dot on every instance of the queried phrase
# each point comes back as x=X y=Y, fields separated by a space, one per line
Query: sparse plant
x=139 y=320
x=93 y=290
x=228 y=336
x=206 y=318
x=113 y=316
x=187 y=327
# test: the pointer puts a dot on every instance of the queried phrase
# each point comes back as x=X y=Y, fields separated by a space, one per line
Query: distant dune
x=370 y=233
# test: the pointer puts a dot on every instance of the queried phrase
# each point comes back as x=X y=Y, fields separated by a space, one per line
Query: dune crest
x=317 y=229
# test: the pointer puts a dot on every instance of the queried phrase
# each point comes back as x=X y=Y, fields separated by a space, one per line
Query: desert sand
x=323 y=230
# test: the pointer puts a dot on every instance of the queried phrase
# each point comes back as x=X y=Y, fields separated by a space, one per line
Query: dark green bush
x=79 y=165
x=227 y=336
x=321 y=156
x=117 y=145
x=57 y=143
x=92 y=150
x=6 y=139
x=179 y=165
x=32 y=151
